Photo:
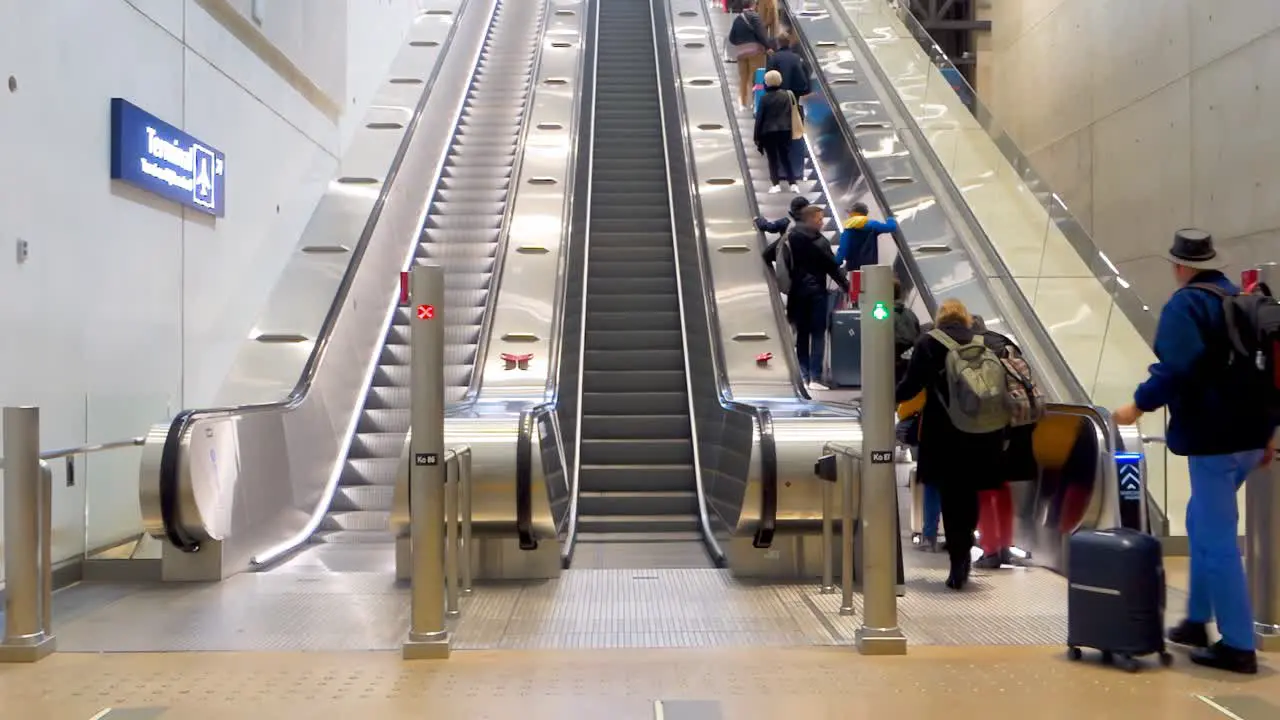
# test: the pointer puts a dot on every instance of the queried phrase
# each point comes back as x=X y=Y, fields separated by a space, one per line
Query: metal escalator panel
x=637 y=481
x=461 y=233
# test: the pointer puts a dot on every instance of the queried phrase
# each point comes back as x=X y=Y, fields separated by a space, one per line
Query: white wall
x=128 y=307
x=1146 y=117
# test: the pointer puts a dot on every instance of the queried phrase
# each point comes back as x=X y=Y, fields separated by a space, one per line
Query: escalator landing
x=641 y=554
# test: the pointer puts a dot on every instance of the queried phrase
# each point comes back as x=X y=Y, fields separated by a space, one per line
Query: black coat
x=948 y=455
x=812 y=262
x=774 y=115
x=794 y=70
x=749 y=28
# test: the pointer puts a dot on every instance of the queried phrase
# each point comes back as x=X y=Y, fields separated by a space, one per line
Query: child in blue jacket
x=860 y=237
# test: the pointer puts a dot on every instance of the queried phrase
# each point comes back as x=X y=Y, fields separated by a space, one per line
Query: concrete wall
x=130 y=308
x=1146 y=117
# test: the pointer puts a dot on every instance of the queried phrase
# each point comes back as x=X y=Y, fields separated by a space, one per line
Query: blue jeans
x=1218 y=585
x=811 y=334
x=932 y=512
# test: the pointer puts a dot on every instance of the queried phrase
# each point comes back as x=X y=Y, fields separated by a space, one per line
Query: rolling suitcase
x=1115 y=596
x=845 y=348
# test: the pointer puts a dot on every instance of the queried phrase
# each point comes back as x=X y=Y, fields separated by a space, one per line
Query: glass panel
x=1099 y=325
x=111 y=517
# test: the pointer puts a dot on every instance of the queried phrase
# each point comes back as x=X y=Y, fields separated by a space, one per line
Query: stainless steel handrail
x=169 y=466
x=88 y=449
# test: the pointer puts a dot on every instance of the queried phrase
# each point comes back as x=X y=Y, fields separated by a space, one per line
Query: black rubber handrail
x=170 y=460
x=524 y=478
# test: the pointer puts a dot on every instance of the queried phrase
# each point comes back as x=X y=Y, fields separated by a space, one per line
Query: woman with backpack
x=962 y=426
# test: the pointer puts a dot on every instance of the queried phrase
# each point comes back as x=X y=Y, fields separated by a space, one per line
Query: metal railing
x=28 y=532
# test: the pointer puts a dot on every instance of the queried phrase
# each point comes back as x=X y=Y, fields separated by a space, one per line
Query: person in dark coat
x=960 y=464
x=773 y=132
x=795 y=78
x=811 y=264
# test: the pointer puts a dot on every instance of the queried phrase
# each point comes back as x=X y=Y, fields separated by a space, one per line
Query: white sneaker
x=815 y=385
x=795 y=189
x=775 y=190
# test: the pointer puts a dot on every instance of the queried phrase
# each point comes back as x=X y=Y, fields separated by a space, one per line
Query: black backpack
x=1253 y=342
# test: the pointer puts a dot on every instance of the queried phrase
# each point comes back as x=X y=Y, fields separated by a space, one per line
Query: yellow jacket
x=911 y=407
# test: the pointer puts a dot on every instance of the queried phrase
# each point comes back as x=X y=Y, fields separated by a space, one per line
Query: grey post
x=464 y=463
x=1262 y=532
x=846 y=474
x=828 y=537
x=428 y=637
x=451 y=578
x=27 y=538
x=878 y=513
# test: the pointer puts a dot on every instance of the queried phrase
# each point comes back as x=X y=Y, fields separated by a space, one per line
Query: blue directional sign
x=157 y=157
x=1129 y=479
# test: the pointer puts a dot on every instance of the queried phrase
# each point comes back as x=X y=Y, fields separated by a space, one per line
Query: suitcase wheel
x=1166 y=659
x=1074 y=653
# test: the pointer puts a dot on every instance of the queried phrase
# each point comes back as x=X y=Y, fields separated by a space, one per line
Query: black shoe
x=1007 y=558
x=991 y=561
x=959 y=576
x=1190 y=634
x=1224 y=657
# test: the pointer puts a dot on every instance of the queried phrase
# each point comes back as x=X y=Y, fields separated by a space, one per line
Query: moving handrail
x=689 y=216
x=170 y=470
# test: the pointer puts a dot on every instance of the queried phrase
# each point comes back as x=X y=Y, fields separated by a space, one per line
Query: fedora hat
x=1194 y=249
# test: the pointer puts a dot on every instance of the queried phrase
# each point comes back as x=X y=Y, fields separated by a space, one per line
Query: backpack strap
x=947 y=341
x=1232 y=322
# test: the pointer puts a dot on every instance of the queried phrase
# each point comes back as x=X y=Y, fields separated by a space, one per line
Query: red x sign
x=426 y=312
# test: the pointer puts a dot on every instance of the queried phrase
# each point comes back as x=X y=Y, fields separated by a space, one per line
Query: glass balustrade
x=1095 y=318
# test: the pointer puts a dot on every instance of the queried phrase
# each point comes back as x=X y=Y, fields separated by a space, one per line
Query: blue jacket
x=1190 y=378
x=858 y=241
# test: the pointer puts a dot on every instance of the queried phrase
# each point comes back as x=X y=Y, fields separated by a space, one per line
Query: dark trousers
x=777 y=147
x=810 y=316
x=960 y=515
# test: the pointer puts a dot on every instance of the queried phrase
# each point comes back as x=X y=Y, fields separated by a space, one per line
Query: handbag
x=746 y=50
x=797 y=122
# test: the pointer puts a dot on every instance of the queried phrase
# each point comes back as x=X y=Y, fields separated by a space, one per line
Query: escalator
x=637 y=482
x=461 y=233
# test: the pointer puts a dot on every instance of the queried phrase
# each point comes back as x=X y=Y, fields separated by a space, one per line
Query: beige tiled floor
x=957 y=683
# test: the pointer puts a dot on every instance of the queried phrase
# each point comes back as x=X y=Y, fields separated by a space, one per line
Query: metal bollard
x=848 y=512
x=464 y=459
x=451 y=574
x=878 y=511
x=28 y=519
x=428 y=638
x=1262 y=531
